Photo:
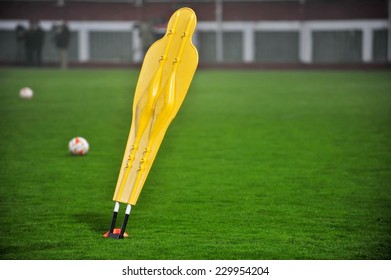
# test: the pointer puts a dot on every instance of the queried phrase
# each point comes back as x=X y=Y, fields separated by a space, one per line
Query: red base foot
x=116 y=232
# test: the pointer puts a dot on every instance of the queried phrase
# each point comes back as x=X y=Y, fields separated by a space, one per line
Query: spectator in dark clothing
x=147 y=35
x=20 y=33
x=34 y=43
x=61 y=38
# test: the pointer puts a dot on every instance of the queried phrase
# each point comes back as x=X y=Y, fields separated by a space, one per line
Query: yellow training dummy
x=165 y=77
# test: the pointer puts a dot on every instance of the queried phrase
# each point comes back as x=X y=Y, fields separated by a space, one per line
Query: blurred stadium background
x=283 y=33
x=258 y=164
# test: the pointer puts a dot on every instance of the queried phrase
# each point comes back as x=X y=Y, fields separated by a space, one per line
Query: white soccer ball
x=78 y=146
x=26 y=93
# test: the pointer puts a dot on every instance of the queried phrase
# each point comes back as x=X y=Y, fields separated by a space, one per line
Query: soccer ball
x=26 y=93
x=78 y=146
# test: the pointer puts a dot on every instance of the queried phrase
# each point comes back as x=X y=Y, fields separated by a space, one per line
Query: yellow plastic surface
x=165 y=77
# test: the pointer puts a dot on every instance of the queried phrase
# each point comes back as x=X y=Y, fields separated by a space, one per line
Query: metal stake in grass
x=117 y=233
x=166 y=74
x=125 y=222
x=114 y=219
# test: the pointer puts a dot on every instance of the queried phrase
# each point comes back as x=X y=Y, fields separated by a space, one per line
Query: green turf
x=257 y=165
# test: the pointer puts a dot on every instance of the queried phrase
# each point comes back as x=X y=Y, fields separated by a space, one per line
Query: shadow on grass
x=96 y=221
x=32 y=251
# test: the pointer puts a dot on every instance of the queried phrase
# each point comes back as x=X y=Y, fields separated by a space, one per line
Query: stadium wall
x=308 y=42
x=260 y=33
x=231 y=10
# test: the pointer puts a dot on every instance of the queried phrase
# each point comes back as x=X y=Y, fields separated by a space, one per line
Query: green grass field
x=256 y=165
